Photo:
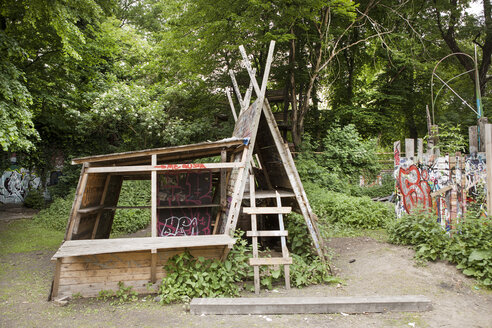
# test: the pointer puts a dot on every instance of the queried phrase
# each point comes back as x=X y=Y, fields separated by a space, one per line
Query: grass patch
x=26 y=235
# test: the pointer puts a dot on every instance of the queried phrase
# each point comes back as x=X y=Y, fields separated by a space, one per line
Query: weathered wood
x=488 y=155
x=267 y=210
x=441 y=191
x=270 y=261
x=254 y=241
x=56 y=280
x=153 y=266
x=267 y=233
x=473 y=139
x=117 y=245
x=420 y=149
x=283 y=242
x=482 y=122
x=77 y=202
x=231 y=103
x=270 y=194
x=218 y=145
x=101 y=203
x=291 y=305
x=165 y=167
x=409 y=148
x=90 y=209
x=153 y=198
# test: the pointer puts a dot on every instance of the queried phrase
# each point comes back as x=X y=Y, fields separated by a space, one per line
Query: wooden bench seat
x=120 y=245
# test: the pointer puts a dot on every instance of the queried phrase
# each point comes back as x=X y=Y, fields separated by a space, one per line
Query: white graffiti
x=183 y=226
x=14 y=185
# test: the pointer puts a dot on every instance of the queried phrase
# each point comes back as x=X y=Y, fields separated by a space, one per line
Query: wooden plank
x=292 y=305
x=488 y=155
x=270 y=194
x=159 y=207
x=231 y=103
x=473 y=139
x=74 y=216
x=101 y=203
x=164 y=167
x=409 y=148
x=56 y=281
x=254 y=241
x=441 y=191
x=153 y=266
x=420 y=149
x=283 y=242
x=220 y=144
x=267 y=233
x=153 y=198
x=267 y=210
x=482 y=122
x=118 y=245
x=270 y=261
x=90 y=209
x=93 y=289
x=223 y=182
x=236 y=87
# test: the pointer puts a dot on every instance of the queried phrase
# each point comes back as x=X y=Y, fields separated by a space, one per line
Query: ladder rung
x=267 y=233
x=270 y=261
x=267 y=210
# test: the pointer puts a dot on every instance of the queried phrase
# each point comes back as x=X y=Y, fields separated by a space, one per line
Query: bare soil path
x=379 y=269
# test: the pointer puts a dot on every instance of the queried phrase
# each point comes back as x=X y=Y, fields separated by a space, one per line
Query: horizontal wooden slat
x=269 y=194
x=270 y=261
x=164 y=167
x=90 y=209
x=267 y=210
x=266 y=233
x=93 y=289
x=117 y=245
x=160 y=207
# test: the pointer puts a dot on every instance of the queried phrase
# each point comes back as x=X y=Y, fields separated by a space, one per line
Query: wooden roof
x=166 y=153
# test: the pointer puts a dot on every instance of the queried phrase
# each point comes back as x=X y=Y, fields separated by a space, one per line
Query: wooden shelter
x=195 y=204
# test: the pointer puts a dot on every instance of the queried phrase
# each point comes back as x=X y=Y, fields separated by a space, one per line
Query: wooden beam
x=267 y=233
x=153 y=265
x=267 y=210
x=270 y=261
x=164 y=167
x=74 y=216
x=154 y=194
x=488 y=154
x=56 y=280
x=292 y=305
x=473 y=139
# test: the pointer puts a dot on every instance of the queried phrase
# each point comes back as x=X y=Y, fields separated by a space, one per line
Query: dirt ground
x=379 y=269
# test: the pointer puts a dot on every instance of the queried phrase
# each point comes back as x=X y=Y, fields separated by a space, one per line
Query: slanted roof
x=166 y=153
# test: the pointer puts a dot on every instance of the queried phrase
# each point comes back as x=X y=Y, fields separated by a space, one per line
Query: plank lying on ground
x=117 y=245
x=291 y=305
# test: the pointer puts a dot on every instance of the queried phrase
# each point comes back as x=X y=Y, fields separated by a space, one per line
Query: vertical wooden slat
x=409 y=148
x=153 y=266
x=56 y=279
x=488 y=154
x=101 y=202
x=285 y=251
x=482 y=122
x=420 y=149
x=78 y=200
x=254 y=241
x=473 y=139
x=154 y=198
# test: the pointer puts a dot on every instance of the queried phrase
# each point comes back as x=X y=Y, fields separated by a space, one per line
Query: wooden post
x=420 y=149
x=153 y=265
x=473 y=139
x=488 y=154
x=409 y=148
x=153 y=180
x=482 y=122
x=396 y=153
x=254 y=241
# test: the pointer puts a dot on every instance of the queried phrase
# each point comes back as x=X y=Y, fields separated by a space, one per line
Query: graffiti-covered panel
x=15 y=185
x=182 y=191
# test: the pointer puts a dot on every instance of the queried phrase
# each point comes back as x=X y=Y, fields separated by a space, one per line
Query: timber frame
x=88 y=261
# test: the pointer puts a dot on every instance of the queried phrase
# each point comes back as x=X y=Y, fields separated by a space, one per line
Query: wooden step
x=269 y=194
x=267 y=210
x=267 y=233
x=270 y=261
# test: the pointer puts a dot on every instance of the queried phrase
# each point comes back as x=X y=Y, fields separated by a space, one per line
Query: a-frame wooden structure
x=197 y=203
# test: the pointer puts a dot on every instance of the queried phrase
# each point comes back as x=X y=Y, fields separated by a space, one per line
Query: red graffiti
x=181 y=166
x=397 y=157
x=414 y=188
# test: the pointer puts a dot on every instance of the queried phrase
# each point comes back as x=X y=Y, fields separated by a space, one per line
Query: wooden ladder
x=256 y=261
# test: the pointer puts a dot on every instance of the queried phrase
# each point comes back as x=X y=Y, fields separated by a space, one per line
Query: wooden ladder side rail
x=285 y=251
x=295 y=181
x=254 y=230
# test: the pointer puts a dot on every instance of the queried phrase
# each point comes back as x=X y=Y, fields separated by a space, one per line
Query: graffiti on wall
x=439 y=186
x=15 y=184
x=182 y=191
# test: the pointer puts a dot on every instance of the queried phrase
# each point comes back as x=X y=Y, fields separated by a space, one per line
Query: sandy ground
x=379 y=269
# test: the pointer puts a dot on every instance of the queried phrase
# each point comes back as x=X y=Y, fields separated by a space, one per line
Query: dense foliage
x=470 y=244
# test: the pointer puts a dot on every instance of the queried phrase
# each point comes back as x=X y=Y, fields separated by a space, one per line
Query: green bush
x=348 y=211
x=470 y=244
x=133 y=193
x=56 y=216
x=34 y=199
x=386 y=188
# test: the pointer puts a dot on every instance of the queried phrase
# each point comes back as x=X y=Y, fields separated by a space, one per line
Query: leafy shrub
x=56 y=216
x=304 y=272
x=422 y=230
x=348 y=211
x=386 y=188
x=34 y=199
x=471 y=249
x=299 y=240
x=470 y=244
